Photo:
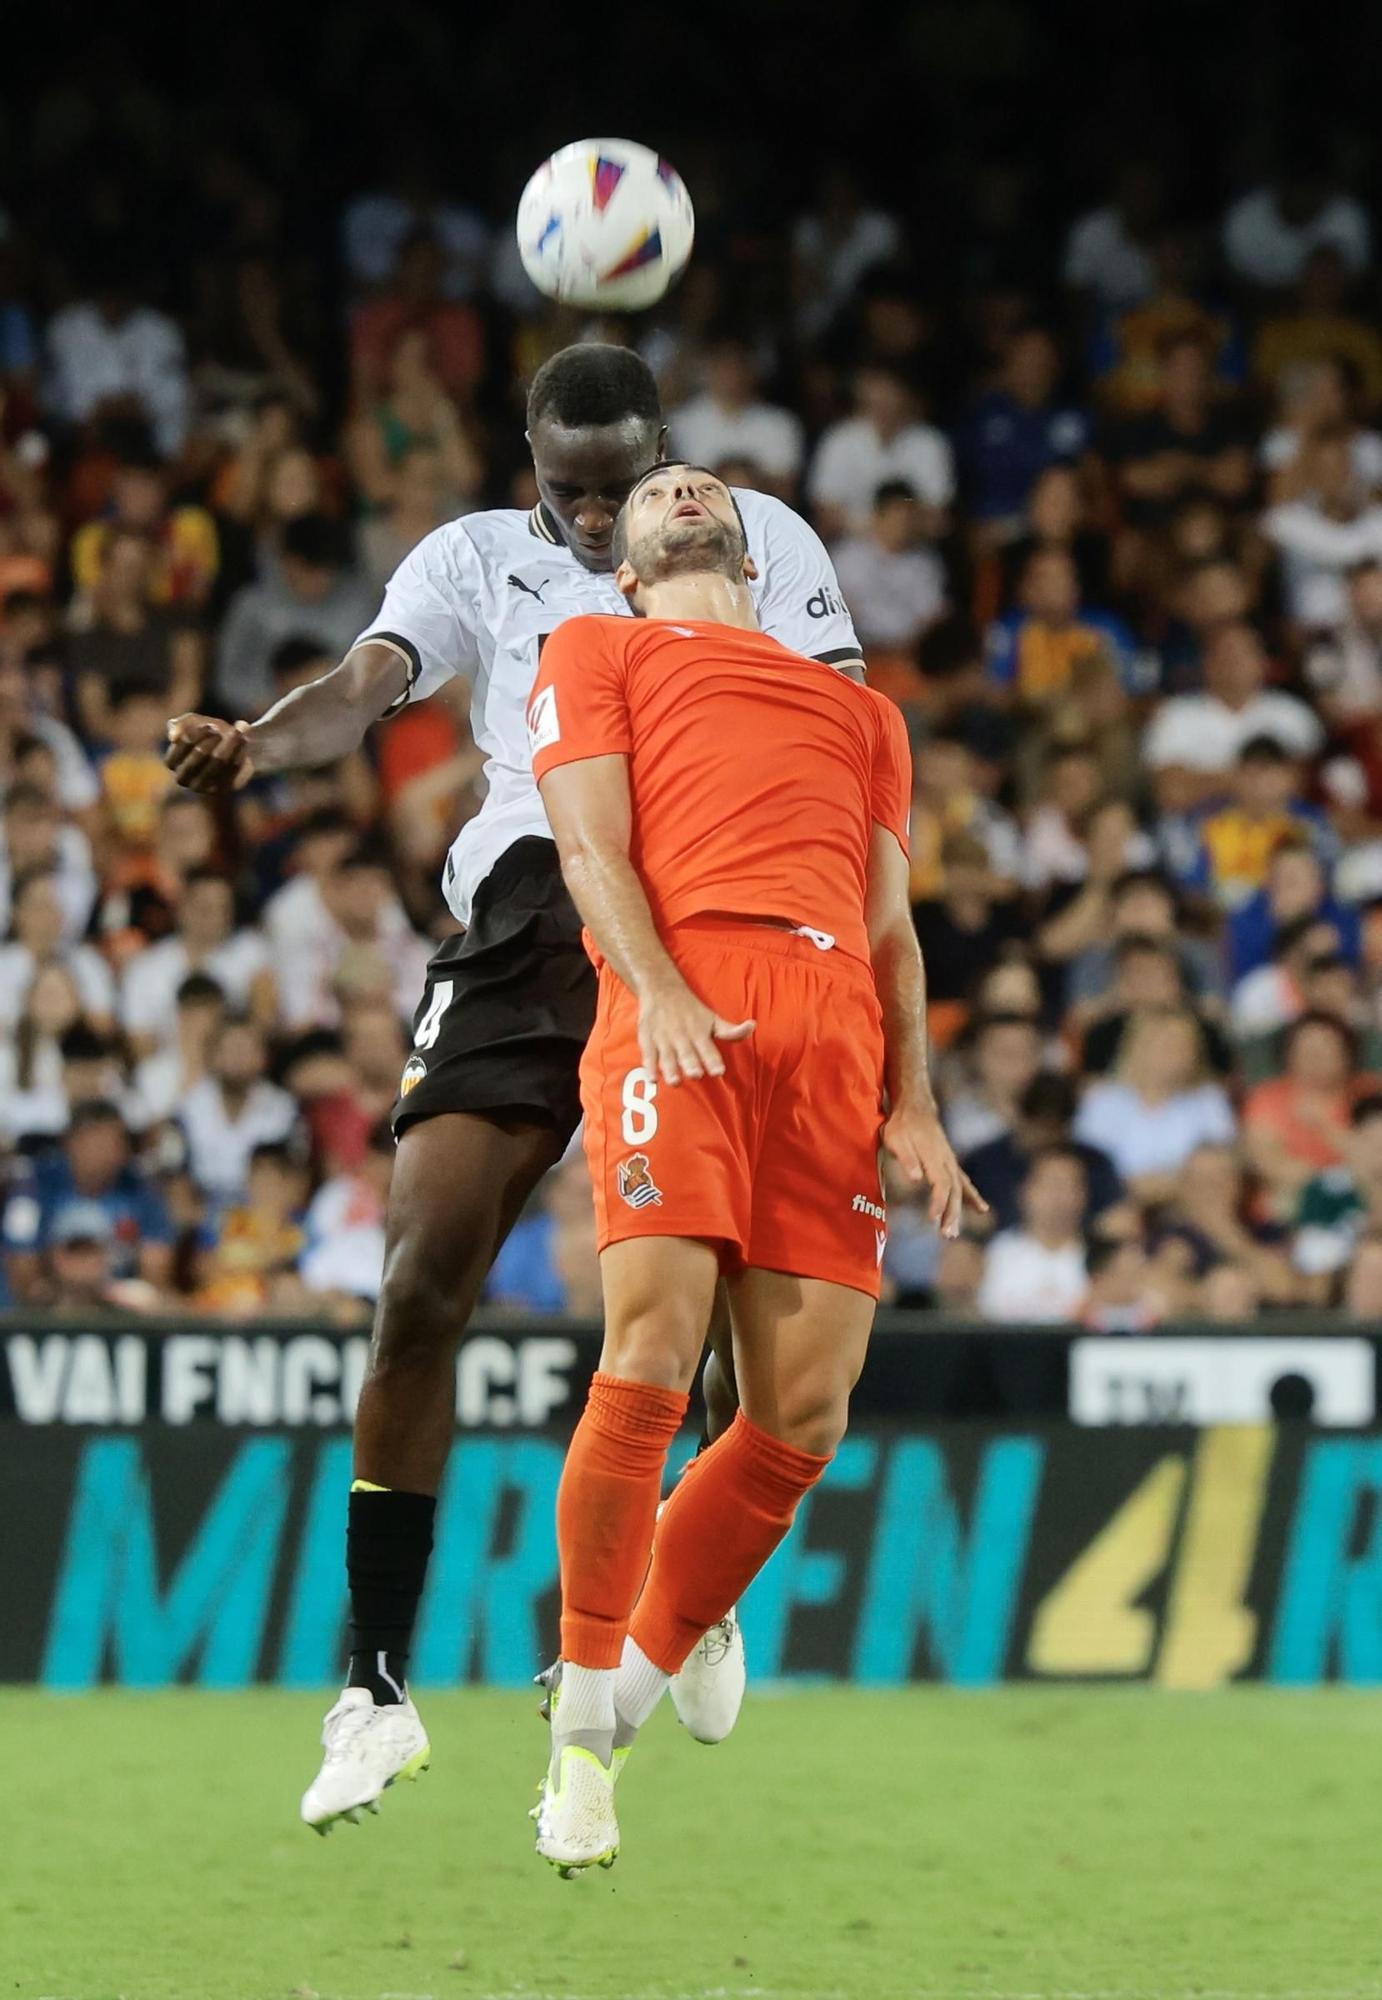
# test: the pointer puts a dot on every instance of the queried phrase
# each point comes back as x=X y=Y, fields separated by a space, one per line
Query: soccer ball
x=605 y=224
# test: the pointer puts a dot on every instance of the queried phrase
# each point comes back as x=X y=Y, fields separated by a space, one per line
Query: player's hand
x=916 y=1139
x=678 y=1034
x=208 y=755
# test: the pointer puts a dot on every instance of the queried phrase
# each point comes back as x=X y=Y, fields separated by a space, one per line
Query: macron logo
x=543 y=726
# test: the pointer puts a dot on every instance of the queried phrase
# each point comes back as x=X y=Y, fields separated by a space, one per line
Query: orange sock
x=606 y=1510
x=729 y=1511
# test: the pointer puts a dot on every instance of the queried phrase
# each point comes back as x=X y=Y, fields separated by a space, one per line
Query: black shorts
x=509 y=1006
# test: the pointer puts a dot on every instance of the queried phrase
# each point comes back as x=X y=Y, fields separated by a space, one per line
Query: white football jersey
x=478 y=596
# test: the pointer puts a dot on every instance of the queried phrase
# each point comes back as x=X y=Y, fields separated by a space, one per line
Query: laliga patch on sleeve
x=543 y=726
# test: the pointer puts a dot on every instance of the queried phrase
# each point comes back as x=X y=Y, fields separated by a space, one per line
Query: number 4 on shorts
x=429 y=1027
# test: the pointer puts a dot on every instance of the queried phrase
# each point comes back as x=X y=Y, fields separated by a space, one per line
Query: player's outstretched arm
x=316 y=724
x=913 y=1133
x=591 y=817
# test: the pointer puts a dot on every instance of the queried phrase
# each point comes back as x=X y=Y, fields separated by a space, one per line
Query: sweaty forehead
x=595 y=455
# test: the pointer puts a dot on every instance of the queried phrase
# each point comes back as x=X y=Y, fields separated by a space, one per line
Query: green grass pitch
x=919 y=1845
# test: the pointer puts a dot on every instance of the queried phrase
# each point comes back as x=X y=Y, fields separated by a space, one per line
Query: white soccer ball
x=605 y=224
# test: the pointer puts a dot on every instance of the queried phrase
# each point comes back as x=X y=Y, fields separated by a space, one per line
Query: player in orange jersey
x=731 y=819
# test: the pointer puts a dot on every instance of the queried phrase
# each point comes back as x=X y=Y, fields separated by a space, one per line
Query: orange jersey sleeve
x=579 y=705
x=892 y=772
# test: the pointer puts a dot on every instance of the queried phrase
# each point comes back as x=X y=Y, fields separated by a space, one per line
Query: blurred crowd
x=1105 y=502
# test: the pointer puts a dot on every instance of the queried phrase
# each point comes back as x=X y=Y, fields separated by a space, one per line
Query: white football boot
x=368 y=1748
x=708 y=1693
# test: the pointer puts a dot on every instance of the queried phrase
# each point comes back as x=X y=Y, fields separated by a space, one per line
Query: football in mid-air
x=605 y=224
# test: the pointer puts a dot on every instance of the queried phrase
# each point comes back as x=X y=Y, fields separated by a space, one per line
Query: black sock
x=388 y=1542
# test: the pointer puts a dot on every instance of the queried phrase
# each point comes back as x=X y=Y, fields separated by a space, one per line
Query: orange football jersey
x=756 y=775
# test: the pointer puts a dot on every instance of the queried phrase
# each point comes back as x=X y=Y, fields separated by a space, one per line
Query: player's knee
x=659 y=1344
x=425 y=1299
x=813 y=1416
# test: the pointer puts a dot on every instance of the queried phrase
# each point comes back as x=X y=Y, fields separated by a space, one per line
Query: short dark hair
x=1264 y=750
x=591 y=384
x=317 y=540
x=1138 y=941
x=1143 y=878
x=893 y=489
x=371 y=850
x=290 y=656
x=275 y=1153
x=1293 y=933
x=82 y=1043
x=1316 y=1017
x=206 y=873
x=1101 y=1249
x=27 y=797
x=1366 y=1109
x=99 y=1111
x=199 y=989
x=1048 y=1095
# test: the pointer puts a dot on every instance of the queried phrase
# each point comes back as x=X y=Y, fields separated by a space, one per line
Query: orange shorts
x=775 y=1162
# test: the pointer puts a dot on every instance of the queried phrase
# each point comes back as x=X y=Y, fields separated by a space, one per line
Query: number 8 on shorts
x=640 y=1112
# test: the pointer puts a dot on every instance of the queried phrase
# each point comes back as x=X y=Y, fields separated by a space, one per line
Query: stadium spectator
x=1317 y=401
x=162 y=1081
x=1341 y=1205
x=123 y=642
x=1194 y=739
x=998 y=1060
x=1045 y=1114
x=1324 y=535
x=93 y=1167
x=450 y=335
x=1015 y=431
x=1210 y=1223
x=34 y=835
x=1034 y=651
x=1297 y=885
x=247 y=1257
x=1296 y=1125
x=33 y=1101
x=1123 y=1295
x=365 y=944
x=233 y=1109
x=1159 y=1105
x=1108 y=252
x=411 y=409
x=38 y=922
x=550 y=1262
x=344 y=1257
x=1265 y=811
x=420 y=499
x=1037 y=1273
x=312 y=594
x=181 y=538
x=893 y=579
x=1345 y=668
x=207 y=941
x=1271 y=232
x=834 y=245
x=730 y=419
x=884 y=440
x=110 y=356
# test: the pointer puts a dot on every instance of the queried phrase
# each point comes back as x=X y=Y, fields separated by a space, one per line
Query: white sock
x=586 y=1700
x=639 y=1686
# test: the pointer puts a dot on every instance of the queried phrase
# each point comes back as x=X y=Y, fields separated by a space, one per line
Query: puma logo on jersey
x=527 y=588
x=636 y=1183
x=543 y=725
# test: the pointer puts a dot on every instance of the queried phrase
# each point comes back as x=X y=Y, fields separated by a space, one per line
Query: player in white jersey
x=489 y=1097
